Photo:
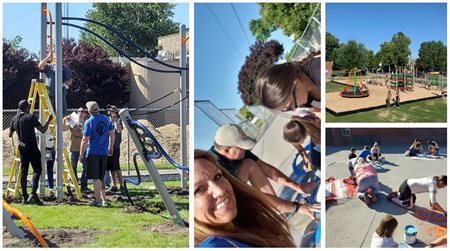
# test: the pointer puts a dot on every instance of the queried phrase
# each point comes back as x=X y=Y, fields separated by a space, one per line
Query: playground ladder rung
x=38 y=89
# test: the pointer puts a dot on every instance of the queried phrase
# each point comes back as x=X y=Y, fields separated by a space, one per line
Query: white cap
x=233 y=136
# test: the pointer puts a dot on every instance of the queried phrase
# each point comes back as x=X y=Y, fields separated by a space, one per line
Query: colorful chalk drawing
x=430 y=215
x=438 y=230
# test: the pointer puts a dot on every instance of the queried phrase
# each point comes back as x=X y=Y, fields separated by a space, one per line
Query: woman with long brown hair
x=230 y=213
x=288 y=86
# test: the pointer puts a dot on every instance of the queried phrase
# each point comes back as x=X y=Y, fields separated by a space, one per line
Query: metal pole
x=59 y=104
x=42 y=137
x=183 y=104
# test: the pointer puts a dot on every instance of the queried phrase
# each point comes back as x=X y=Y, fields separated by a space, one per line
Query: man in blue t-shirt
x=364 y=153
x=45 y=66
x=97 y=143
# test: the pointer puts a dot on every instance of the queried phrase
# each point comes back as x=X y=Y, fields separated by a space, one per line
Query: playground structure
x=402 y=80
x=181 y=70
x=137 y=130
x=359 y=89
x=437 y=80
x=12 y=227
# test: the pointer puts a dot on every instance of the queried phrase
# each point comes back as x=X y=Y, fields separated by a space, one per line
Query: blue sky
x=217 y=59
x=24 y=19
x=373 y=24
x=219 y=55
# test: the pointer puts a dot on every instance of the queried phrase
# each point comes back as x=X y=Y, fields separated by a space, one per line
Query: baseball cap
x=233 y=136
x=92 y=106
x=112 y=108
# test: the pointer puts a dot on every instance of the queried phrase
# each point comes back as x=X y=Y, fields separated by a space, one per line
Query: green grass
x=333 y=87
x=434 y=110
x=115 y=228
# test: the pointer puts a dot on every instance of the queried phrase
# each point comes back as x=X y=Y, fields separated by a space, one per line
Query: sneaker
x=374 y=198
x=51 y=192
x=86 y=190
x=95 y=204
x=392 y=195
x=34 y=199
x=105 y=203
x=367 y=200
x=112 y=189
x=25 y=199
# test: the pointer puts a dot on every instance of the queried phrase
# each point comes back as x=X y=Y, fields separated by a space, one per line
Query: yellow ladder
x=38 y=89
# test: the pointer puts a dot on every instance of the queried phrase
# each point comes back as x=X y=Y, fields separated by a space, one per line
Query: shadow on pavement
x=384 y=205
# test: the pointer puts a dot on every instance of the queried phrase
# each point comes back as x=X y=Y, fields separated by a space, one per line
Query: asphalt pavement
x=351 y=223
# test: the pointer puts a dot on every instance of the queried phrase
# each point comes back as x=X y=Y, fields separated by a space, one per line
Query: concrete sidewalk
x=273 y=149
x=351 y=223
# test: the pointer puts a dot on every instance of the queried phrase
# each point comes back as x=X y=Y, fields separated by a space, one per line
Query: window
x=345 y=132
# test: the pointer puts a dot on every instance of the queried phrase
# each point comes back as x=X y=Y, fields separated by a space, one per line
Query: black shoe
x=122 y=191
x=25 y=199
x=34 y=199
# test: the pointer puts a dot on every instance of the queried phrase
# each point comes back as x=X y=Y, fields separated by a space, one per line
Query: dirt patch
x=53 y=237
x=168 y=136
x=384 y=114
x=182 y=192
x=167 y=228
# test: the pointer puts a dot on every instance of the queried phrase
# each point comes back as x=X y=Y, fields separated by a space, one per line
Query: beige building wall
x=172 y=43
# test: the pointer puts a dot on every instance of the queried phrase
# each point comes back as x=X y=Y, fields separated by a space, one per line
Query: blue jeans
x=74 y=162
x=50 y=165
x=364 y=184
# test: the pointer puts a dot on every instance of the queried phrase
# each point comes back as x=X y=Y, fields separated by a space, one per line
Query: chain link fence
x=157 y=119
x=164 y=125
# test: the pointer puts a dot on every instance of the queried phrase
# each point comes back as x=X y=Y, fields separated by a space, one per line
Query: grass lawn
x=434 y=110
x=333 y=87
x=115 y=228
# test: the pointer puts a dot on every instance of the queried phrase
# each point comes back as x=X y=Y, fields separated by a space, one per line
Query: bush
x=262 y=56
x=19 y=67
x=95 y=76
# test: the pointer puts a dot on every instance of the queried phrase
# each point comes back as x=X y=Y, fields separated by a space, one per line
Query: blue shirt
x=49 y=71
x=364 y=153
x=221 y=242
x=97 y=127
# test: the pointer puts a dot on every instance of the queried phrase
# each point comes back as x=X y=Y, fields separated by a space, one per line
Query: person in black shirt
x=352 y=153
x=23 y=124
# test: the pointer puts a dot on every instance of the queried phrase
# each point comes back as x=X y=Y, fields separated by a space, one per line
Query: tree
x=262 y=56
x=143 y=23
x=292 y=18
x=352 y=54
x=332 y=43
x=372 y=61
x=432 y=57
x=396 y=53
x=95 y=76
x=400 y=43
x=19 y=68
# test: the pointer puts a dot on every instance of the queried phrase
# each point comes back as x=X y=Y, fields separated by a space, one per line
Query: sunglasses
x=289 y=109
